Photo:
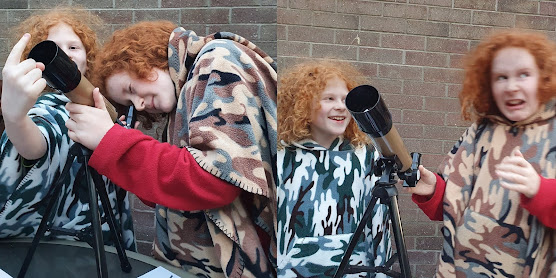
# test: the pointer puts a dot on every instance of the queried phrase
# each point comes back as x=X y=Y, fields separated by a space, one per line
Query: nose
x=139 y=103
x=511 y=85
x=339 y=104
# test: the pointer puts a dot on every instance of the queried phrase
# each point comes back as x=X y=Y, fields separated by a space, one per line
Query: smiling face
x=514 y=82
x=331 y=119
x=154 y=95
x=64 y=36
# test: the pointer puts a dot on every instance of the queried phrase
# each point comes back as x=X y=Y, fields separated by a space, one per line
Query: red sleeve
x=159 y=172
x=543 y=205
x=432 y=206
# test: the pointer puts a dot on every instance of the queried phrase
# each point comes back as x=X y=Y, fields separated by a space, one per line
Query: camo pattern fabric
x=486 y=231
x=322 y=196
x=226 y=118
x=24 y=185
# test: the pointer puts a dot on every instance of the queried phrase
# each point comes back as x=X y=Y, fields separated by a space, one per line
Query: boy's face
x=155 y=95
x=64 y=36
x=514 y=82
x=332 y=119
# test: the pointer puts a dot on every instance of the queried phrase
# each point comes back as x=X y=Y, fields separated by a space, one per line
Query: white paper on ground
x=159 y=272
x=4 y=274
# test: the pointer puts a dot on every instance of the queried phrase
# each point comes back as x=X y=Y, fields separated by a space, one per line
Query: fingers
x=99 y=99
x=15 y=55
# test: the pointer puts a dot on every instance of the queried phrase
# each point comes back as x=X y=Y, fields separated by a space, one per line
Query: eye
x=501 y=77
x=524 y=74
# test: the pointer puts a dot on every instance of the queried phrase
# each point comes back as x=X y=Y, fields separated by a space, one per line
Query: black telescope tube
x=372 y=116
x=60 y=71
x=369 y=111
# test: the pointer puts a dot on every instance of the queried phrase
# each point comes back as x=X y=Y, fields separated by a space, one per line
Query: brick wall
x=252 y=19
x=411 y=51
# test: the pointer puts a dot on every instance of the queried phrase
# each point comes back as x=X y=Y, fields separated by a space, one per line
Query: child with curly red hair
x=35 y=147
x=214 y=184
x=496 y=189
x=325 y=174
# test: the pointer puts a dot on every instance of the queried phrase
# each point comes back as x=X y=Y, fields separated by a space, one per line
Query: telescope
x=62 y=74
x=372 y=116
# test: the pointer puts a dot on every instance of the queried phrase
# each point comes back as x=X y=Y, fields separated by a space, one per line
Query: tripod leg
x=353 y=242
x=111 y=219
x=98 y=246
x=398 y=232
x=43 y=226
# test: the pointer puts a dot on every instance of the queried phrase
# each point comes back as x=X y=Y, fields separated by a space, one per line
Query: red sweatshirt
x=159 y=172
x=542 y=205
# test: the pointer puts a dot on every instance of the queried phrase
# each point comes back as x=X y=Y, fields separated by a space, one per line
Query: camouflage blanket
x=226 y=118
x=24 y=185
x=322 y=195
x=486 y=231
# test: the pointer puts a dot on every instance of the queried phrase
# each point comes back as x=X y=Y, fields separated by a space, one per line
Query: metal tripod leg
x=388 y=195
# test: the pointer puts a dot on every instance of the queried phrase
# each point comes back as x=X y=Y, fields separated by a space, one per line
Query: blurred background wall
x=411 y=51
x=252 y=19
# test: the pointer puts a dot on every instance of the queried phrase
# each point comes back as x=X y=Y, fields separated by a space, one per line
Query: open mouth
x=338 y=118
x=515 y=103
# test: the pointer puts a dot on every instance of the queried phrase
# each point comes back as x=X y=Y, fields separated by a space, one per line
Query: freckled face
x=332 y=118
x=155 y=94
x=515 y=82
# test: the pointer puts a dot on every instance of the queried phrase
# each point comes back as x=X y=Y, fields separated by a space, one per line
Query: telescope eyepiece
x=61 y=73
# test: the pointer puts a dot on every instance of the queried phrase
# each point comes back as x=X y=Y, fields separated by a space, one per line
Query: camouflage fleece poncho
x=24 y=184
x=486 y=231
x=322 y=195
x=226 y=117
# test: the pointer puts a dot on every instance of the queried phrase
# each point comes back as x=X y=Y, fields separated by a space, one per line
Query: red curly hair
x=300 y=89
x=81 y=21
x=137 y=50
x=476 y=95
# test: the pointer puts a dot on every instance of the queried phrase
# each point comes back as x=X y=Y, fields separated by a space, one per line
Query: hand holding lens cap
x=62 y=74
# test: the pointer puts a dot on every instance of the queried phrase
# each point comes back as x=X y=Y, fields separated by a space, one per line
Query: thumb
x=99 y=99
x=516 y=152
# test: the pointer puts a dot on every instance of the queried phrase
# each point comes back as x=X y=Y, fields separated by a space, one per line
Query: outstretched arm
x=22 y=85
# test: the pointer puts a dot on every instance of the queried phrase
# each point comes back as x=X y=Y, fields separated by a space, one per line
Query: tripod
x=386 y=191
x=95 y=185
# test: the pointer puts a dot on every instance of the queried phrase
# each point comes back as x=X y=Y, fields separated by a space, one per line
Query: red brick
x=443 y=133
x=428 y=243
x=281 y=32
x=403 y=101
x=455 y=119
x=409 y=42
x=380 y=55
x=360 y=7
x=518 y=6
x=469 y=32
x=419 y=27
x=426 y=59
x=314 y=5
x=383 y=24
x=369 y=70
x=410 y=130
x=431 y=161
x=536 y=22
x=233 y=3
x=400 y=72
x=443 y=3
x=476 y=4
x=143 y=4
x=424 y=89
x=334 y=51
x=310 y=34
x=254 y=15
x=286 y=48
x=172 y=15
x=443 y=75
x=547 y=8
x=405 y=11
x=248 y=31
x=300 y=17
x=441 y=104
x=456 y=61
x=493 y=19
x=425 y=270
x=422 y=117
x=357 y=38
x=387 y=86
x=211 y=16
x=454 y=90
x=447 y=45
x=334 y=20
x=173 y=3
x=449 y=15
x=115 y=16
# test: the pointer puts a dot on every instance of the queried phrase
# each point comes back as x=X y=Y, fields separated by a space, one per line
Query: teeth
x=338 y=118
x=514 y=102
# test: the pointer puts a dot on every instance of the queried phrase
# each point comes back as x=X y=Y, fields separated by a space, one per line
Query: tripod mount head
x=372 y=116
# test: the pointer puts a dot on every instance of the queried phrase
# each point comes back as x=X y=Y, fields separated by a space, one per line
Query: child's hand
x=426 y=185
x=22 y=83
x=516 y=174
x=87 y=125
